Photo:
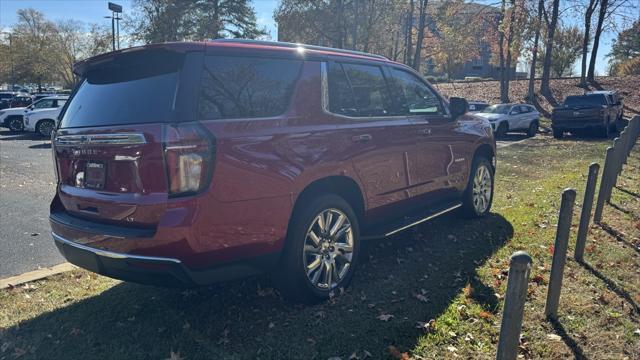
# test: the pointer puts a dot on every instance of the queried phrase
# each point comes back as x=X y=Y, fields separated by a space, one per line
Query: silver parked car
x=512 y=117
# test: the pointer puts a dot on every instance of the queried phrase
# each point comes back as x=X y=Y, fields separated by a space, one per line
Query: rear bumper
x=577 y=124
x=153 y=270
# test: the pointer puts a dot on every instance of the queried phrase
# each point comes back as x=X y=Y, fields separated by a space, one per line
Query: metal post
x=560 y=253
x=513 y=311
x=118 y=31
x=585 y=216
x=597 y=215
x=113 y=31
x=616 y=167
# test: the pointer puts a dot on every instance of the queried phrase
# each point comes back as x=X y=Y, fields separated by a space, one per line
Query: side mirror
x=458 y=106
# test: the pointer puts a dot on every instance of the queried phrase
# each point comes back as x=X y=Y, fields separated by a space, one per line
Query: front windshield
x=497 y=109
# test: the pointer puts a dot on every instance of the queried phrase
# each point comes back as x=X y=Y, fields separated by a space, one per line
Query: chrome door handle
x=424 y=132
x=362 y=138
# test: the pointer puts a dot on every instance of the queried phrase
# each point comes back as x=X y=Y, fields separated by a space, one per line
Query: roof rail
x=295 y=46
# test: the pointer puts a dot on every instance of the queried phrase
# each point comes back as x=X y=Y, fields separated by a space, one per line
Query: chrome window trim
x=101 y=139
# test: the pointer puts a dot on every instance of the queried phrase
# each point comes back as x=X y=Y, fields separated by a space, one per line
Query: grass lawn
x=432 y=292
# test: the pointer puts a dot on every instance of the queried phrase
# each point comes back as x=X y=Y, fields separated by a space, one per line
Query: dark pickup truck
x=590 y=111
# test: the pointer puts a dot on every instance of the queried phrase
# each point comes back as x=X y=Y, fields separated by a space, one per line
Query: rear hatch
x=128 y=140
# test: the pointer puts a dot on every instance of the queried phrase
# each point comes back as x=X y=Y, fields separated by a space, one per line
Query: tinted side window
x=341 y=99
x=524 y=109
x=46 y=103
x=415 y=97
x=240 y=87
x=370 y=92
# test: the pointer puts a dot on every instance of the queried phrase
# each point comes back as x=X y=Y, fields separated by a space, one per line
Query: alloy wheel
x=46 y=128
x=328 y=249
x=482 y=187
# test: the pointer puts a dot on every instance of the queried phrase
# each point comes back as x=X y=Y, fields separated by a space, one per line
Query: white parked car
x=512 y=117
x=43 y=117
x=12 y=118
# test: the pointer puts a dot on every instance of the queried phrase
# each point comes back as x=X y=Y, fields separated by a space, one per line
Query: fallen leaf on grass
x=468 y=290
x=554 y=337
x=427 y=327
x=385 y=317
x=485 y=315
x=452 y=348
x=538 y=279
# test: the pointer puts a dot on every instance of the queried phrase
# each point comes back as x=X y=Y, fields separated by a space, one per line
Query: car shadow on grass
x=248 y=319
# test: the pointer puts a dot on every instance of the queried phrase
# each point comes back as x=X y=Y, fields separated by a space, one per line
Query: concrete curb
x=35 y=275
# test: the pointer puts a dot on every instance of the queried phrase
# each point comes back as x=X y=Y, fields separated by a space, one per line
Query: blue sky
x=93 y=11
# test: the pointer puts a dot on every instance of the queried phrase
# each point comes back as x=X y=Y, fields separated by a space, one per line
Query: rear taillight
x=189 y=156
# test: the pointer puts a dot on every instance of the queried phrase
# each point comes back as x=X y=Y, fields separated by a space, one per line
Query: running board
x=407 y=222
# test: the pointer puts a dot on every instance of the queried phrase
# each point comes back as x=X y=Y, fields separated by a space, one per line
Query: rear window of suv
x=136 y=89
x=244 y=87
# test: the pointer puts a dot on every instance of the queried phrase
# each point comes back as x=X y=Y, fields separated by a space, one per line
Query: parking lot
x=26 y=188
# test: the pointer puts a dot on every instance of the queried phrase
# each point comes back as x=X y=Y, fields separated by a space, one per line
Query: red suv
x=192 y=163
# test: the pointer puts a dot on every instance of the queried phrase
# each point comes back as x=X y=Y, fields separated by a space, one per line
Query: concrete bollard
x=608 y=162
x=585 y=216
x=513 y=311
x=560 y=253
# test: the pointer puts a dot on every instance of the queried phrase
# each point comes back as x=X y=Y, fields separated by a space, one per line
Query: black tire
x=502 y=130
x=469 y=210
x=533 y=129
x=14 y=123
x=43 y=126
x=291 y=276
x=558 y=134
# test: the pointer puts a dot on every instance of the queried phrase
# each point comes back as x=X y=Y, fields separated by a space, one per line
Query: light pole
x=115 y=18
x=13 y=77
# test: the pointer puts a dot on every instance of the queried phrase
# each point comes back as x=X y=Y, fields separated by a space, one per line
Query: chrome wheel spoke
x=337 y=225
x=312 y=235
x=327 y=221
x=311 y=250
x=314 y=264
x=344 y=270
x=345 y=248
x=328 y=272
x=320 y=221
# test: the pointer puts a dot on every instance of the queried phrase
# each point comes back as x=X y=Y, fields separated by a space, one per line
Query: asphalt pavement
x=26 y=189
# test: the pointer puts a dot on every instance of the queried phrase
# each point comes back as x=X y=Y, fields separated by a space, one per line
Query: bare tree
x=534 y=56
x=546 y=64
x=422 y=24
x=591 y=7
x=602 y=13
